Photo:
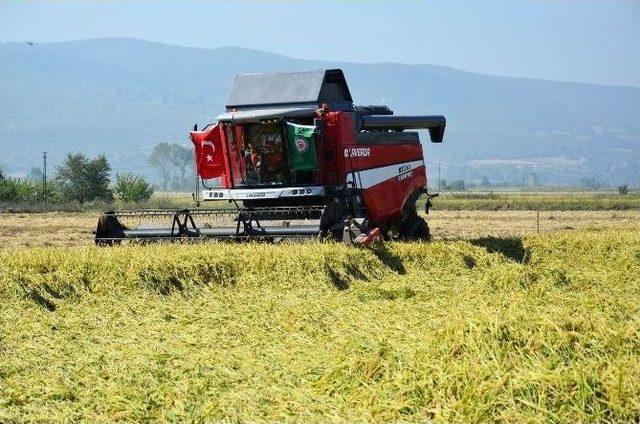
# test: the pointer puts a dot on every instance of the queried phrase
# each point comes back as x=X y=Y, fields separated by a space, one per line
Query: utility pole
x=196 y=195
x=44 y=178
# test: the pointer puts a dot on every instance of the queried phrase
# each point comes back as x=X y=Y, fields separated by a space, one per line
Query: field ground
x=536 y=329
x=75 y=228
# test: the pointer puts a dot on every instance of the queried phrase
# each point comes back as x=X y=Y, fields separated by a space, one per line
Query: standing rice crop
x=537 y=329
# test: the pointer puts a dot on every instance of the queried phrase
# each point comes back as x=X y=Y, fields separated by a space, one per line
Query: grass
x=545 y=201
x=536 y=329
x=161 y=200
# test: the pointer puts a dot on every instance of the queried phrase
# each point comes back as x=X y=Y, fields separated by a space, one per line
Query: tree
x=161 y=160
x=623 y=190
x=457 y=185
x=485 y=182
x=132 y=188
x=172 y=162
x=17 y=190
x=591 y=183
x=535 y=181
x=181 y=158
x=82 y=179
x=35 y=175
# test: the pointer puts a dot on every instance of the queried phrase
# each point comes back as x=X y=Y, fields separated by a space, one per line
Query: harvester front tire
x=415 y=228
x=332 y=222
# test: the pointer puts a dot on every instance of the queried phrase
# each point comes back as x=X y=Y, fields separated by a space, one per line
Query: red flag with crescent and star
x=209 y=157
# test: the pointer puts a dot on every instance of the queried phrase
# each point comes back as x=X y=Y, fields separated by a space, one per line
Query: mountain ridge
x=129 y=94
x=252 y=50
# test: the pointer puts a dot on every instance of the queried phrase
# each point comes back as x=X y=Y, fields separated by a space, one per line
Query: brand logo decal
x=258 y=194
x=405 y=176
x=357 y=152
x=302 y=145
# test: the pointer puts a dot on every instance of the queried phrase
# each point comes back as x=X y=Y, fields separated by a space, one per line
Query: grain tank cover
x=310 y=88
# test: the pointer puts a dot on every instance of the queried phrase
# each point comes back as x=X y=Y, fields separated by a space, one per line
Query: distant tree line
x=592 y=183
x=453 y=185
x=528 y=180
x=77 y=179
x=82 y=179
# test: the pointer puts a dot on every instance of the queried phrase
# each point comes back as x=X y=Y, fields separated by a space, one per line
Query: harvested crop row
x=494 y=329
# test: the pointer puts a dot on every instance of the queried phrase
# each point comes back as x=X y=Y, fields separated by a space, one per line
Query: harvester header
x=293 y=148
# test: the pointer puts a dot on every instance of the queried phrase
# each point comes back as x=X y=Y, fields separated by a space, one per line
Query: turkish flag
x=209 y=156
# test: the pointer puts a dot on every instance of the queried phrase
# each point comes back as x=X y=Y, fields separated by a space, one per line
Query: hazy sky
x=587 y=41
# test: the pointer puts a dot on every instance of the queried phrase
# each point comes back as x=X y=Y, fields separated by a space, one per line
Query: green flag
x=302 y=150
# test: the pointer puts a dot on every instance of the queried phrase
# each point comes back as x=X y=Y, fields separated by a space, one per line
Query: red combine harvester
x=295 y=157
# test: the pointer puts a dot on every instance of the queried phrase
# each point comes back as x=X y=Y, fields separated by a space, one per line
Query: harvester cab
x=294 y=157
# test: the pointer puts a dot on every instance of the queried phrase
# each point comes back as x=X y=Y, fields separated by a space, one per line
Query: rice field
x=508 y=328
x=517 y=312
